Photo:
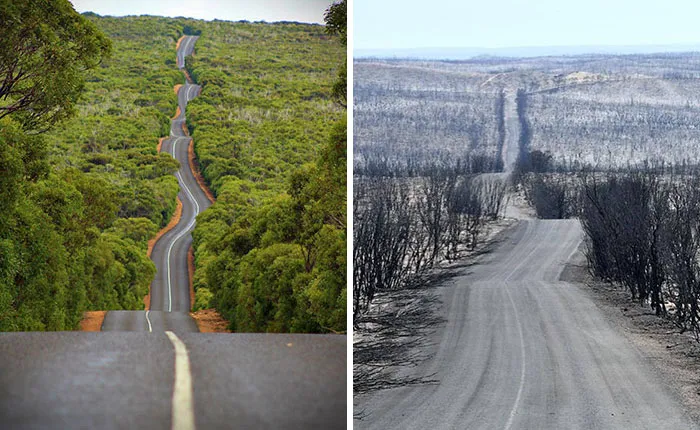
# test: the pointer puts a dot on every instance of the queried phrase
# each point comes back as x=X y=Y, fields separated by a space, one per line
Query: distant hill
x=531 y=51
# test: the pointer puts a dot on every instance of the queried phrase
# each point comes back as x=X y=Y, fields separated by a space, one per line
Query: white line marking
x=181 y=54
x=511 y=417
x=182 y=233
x=183 y=408
x=150 y=328
x=188 y=40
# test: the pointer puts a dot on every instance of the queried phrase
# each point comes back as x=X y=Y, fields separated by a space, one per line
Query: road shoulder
x=400 y=333
x=210 y=321
x=92 y=320
x=675 y=356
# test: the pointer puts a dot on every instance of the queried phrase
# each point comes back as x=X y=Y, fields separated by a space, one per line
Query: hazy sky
x=231 y=10
x=392 y=24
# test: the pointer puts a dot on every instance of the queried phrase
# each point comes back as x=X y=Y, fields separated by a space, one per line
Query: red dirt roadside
x=210 y=321
x=197 y=174
x=92 y=320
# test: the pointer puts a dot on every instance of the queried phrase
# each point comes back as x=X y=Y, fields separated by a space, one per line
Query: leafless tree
x=382 y=229
x=622 y=217
x=680 y=249
x=492 y=194
x=553 y=196
x=432 y=198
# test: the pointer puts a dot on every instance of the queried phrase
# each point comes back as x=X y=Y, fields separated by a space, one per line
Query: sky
x=310 y=11
x=402 y=24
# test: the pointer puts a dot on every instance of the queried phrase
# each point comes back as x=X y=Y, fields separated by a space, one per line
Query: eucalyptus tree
x=46 y=47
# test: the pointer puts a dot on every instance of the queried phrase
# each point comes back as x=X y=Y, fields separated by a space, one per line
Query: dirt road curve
x=523 y=350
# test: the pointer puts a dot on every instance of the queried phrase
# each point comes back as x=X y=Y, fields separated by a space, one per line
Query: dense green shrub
x=270 y=138
x=81 y=200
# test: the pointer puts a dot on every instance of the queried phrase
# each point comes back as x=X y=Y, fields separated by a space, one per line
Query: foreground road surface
x=523 y=350
x=75 y=380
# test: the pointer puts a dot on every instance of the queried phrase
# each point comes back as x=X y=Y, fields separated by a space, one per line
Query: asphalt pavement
x=122 y=380
x=523 y=350
x=170 y=292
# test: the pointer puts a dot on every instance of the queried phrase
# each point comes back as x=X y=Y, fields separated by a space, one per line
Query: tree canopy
x=81 y=200
x=46 y=47
x=270 y=137
x=336 y=23
x=336 y=20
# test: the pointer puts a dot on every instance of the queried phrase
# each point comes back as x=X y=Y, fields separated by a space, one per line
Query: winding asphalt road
x=170 y=288
x=170 y=292
x=523 y=350
x=150 y=371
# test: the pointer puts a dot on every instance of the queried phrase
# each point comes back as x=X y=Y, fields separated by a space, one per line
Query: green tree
x=336 y=20
x=139 y=230
x=46 y=47
x=270 y=253
x=336 y=23
x=63 y=249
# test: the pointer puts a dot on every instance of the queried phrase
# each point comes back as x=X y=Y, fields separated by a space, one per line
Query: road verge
x=177 y=45
x=674 y=355
x=190 y=271
x=210 y=321
x=92 y=320
x=194 y=166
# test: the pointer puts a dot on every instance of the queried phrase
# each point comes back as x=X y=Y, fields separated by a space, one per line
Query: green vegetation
x=271 y=141
x=125 y=108
x=81 y=200
x=46 y=47
x=83 y=188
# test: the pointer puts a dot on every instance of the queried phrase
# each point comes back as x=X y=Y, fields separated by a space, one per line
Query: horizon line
x=201 y=19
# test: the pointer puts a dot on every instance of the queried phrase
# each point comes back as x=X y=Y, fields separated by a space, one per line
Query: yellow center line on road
x=183 y=406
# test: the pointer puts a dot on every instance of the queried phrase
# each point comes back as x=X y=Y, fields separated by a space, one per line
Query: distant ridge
x=531 y=51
